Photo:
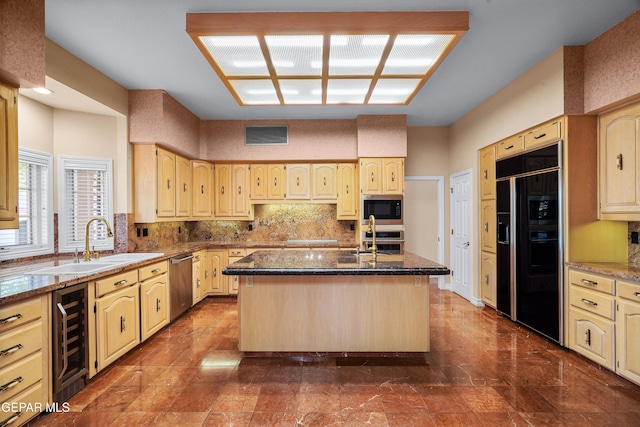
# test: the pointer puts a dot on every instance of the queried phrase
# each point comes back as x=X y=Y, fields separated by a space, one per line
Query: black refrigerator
x=529 y=240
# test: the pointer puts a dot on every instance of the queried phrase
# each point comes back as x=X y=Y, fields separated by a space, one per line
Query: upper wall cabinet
x=488 y=173
x=267 y=182
x=324 y=182
x=510 y=146
x=619 y=148
x=543 y=135
x=232 y=196
x=347 y=205
x=162 y=184
x=8 y=157
x=202 y=195
x=381 y=176
x=298 y=181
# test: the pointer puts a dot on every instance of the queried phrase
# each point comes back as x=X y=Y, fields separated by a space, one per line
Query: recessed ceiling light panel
x=237 y=55
x=255 y=92
x=301 y=91
x=393 y=91
x=355 y=55
x=347 y=91
x=415 y=54
x=296 y=55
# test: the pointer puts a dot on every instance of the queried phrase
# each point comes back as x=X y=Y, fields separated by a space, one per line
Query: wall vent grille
x=266 y=135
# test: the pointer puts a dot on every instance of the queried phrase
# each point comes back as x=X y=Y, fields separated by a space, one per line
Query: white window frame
x=22 y=251
x=82 y=163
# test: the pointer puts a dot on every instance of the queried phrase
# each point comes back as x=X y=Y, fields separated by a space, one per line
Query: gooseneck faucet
x=88 y=254
x=372 y=230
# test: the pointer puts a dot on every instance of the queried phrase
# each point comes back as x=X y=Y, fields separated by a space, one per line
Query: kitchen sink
x=93 y=266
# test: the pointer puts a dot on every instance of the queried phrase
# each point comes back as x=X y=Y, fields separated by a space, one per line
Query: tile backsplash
x=272 y=223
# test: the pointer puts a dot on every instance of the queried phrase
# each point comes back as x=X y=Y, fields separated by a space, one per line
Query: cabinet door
x=371 y=176
x=324 y=181
x=488 y=173
x=347 y=205
x=488 y=278
x=628 y=344
x=154 y=303
x=223 y=192
x=202 y=195
x=592 y=336
x=197 y=289
x=259 y=182
x=213 y=275
x=393 y=176
x=166 y=183
x=509 y=147
x=118 y=324
x=240 y=198
x=543 y=135
x=488 y=220
x=8 y=157
x=183 y=187
x=276 y=184
x=234 y=281
x=298 y=177
x=619 y=140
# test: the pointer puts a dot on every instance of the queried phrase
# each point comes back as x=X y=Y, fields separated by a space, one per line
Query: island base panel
x=334 y=313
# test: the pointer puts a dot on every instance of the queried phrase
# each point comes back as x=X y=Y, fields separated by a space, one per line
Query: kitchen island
x=333 y=301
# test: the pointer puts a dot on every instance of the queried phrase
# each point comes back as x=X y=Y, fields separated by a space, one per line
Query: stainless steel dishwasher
x=180 y=284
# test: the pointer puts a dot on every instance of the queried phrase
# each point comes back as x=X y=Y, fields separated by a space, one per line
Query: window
x=35 y=208
x=84 y=192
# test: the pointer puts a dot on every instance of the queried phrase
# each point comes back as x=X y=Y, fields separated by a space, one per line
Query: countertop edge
x=619 y=270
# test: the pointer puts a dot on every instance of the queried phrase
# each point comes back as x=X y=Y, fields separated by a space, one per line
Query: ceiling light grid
x=326 y=58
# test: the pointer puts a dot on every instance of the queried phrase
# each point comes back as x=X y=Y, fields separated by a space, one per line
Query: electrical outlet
x=634 y=237
x=179 y=229
x=352 y=227
x=145 y=232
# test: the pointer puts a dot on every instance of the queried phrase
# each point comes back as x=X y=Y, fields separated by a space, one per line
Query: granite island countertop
x=332 y=262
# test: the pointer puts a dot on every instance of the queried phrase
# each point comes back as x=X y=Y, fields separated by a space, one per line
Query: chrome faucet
x=88 y=254
x=372 y=230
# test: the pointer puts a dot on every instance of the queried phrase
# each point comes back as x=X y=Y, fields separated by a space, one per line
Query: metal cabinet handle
x=637 y=294
x=65 y=355
x=14 y=382
x=298 y=181
x=589 y=302
x=122 y=324
x=509 y=147
x=197 y=283
x=11 y=419
x=325 y=181
x=168 y=184
x=258 y=183
x=275 y=181
x=347 y=189
x=587 y=337
x=10 y=350
x=486 y=279
x=393 y=176
x=10 y=319
x=239 y=190
x=215 y=272
x=485 y=174
x=486 y=227
x=542 y=135
x=157 y=304
x=202 y=189
x=222 y=190
x=120 y=282
x=619 y=161
x=205 y=274
x=184 y=187
x=371 y=176
x=155 y=270
x=589 y=282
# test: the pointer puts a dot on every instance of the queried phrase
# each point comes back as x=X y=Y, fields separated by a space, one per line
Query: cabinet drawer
x=19 y=313
x=509 y=147
x=20 y=375
x=151 y=270
x=629 y=290
x=238 y=252
x=542 y=135
x=20 y=342
x=113 y=283
x=594 y=302
x=592 y=336
x=592 y=281
x=14 y=415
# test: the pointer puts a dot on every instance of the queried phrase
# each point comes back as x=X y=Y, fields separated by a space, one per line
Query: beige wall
x=35 y=125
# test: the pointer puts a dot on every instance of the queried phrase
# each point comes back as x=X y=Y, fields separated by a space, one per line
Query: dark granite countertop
x=16 y=284
x=618 y=270
x=285 y=263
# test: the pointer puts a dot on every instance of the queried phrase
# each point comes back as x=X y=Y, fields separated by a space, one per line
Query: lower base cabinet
x=488 y=270
x=212 y=263
x=233 y=282
x=154 y=300
x=198 y=290
x=628 y=337
x=592 y=336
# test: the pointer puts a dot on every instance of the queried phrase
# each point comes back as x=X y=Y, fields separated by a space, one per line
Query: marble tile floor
x=483 y=370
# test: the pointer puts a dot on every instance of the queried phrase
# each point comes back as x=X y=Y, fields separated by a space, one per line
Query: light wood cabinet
x=347 y=203
x=592 y=336
x=381 y=176
x=510 y=146
x=8 y=157
x=202 y=194
x=543 y=135
x=628 y=330
x=267 y=182
x=488 y=173
x=298 y=181
x=162 y=184
x=488 y=274
x=619 y=159
x=154 y=299
x=488 y=237
x=117 y=324
x=211 y=265
x=232 y=195
x=233 y=282
x=25 y=365
x=324 y=181
x=199 y=290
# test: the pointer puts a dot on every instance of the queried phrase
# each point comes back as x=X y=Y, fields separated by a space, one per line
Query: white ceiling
x=142 y=44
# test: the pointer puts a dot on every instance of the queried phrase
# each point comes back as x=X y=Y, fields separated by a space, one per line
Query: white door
x=461 y=234
x=424 y=218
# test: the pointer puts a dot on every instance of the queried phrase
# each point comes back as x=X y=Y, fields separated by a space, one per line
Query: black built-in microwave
x=387 y=209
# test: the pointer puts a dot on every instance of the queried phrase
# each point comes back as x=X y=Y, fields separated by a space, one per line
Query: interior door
x=461 y=234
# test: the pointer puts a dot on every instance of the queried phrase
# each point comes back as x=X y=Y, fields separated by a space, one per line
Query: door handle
x=465 y=244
